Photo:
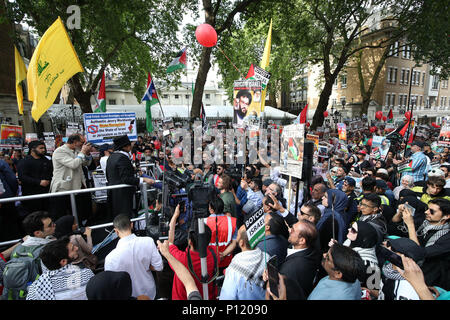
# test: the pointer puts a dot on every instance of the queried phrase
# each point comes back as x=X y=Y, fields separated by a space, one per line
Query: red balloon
x=206 y=35
x=384 y=118
x=408 y=115
x=369 y=142
x=373 y=129
x=325 y=114
x=379 y=115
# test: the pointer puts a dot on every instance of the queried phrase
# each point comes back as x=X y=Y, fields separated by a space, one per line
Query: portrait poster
x=292 y=144
x=247 y=102
x=380 y=147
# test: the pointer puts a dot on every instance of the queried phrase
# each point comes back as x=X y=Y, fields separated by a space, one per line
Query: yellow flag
x=21 y=74
x=265 y=62
x=54 y=62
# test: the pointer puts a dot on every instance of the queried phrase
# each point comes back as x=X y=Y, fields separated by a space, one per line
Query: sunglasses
x=432 y=211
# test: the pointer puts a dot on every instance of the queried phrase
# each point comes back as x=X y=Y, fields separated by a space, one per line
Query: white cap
x=436 y=173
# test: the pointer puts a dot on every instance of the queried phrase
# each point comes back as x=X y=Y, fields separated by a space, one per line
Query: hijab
x=110 y=285
x=367 y=236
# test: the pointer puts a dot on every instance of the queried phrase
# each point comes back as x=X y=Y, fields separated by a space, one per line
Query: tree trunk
x=202 y=74
x=323 y=104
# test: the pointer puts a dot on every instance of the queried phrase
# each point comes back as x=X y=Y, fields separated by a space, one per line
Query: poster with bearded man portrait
x=247 y=102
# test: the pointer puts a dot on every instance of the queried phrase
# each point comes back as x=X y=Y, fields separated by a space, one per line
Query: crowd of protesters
x=362 y=229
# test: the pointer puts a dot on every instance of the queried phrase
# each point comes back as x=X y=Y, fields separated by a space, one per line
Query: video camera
x=198 y=195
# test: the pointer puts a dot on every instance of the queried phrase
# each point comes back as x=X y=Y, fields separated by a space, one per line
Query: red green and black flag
x=101 y=97
x=179 y=62
x=150 y=98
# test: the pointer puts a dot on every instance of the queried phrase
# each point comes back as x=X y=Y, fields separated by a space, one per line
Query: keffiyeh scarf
x=426 y=227
x=250 y=265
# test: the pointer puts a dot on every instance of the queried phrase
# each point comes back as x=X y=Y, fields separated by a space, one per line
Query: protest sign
x=103 y=127
x=292 y=140
x=11 y=136
x=315 y=139
x=49 y=140
x=30 y=137
x=247 y=101
x=380 y=147
x=72 y=128
x=99 y=178
x=255 y=227
x=342 y=130
x=444 y=135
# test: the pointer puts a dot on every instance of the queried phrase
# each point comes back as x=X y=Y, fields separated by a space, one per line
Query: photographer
x=190 y=258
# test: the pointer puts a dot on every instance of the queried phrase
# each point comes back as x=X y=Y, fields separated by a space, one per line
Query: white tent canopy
x=179 y=111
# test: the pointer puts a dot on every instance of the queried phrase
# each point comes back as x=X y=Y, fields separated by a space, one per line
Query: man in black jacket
x=302 y=261
x=119 y=170
x=35 y=173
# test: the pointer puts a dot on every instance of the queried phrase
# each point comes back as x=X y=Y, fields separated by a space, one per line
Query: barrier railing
x=72 y=193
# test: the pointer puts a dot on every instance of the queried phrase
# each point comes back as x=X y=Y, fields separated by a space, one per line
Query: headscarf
x=339 y=206
x=110 y=285
x=367 y=236
x=64 y=226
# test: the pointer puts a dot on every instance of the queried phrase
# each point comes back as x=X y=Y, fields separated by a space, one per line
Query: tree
x=221 y=15
x=129 y=37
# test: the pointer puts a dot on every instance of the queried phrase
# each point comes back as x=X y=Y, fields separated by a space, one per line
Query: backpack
x=20 y=271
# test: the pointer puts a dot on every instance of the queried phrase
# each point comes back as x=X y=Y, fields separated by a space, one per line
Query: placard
x=103 y=127
x=292 y=143
x=380 y=147
x=247 y=101
x=444 y=135
x=11 y=136
x=49 y=140
x=342 y=130
x=254 y=225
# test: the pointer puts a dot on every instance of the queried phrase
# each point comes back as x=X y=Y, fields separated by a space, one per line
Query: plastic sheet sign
x=342 y=130
x=292 y=141
x=254 y=225
x=103 y=127
x=11 y=136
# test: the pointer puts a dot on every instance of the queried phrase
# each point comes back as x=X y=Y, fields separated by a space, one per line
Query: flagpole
x=411 y=114
x=159 y=100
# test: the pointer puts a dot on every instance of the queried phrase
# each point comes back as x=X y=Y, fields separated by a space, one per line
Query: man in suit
x=120 y=170
x=68 y=161
x=302 y=261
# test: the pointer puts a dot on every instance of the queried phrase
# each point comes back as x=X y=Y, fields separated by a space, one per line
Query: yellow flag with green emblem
x=54 y=61
x=265 y=62
x=21 y=74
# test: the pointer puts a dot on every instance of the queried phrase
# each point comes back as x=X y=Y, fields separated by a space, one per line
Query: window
x=423 y=78
x=387 y=101
x=420 y=101
x=207 y=96
x=392 y=75
x=392 y=100
x=394 y=80
x=344 y=81
x=435 y=83
x=406 y=81
x=402 y=78
x=393 y=50
x=112 y=101
x=177 y=96
x=187 y=96
x=165 y=96
x=407 y=52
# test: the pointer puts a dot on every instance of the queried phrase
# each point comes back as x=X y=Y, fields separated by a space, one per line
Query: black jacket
x=30 y=173
x=119 y=170
x=437 y=261
x=301 y=267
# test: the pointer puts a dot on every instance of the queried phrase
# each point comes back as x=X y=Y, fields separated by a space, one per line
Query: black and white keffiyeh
x=58 y=281
x=426 y=227
x=250 y=265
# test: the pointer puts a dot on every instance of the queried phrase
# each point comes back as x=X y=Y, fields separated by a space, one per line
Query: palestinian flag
x=179 y=62
x=150 y=97
x=101 y=97
x=405 y=166
x=390 y=116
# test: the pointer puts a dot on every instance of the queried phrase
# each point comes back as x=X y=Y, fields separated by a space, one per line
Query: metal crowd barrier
x=72 y=193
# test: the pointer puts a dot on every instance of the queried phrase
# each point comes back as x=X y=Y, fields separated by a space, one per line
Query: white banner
x=101 y=128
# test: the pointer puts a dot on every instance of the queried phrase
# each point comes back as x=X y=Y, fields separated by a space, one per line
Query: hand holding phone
x=273 y=275
x=391 y=256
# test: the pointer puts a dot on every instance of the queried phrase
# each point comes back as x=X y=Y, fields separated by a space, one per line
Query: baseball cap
x=267 y=182
x=381 y=184
x=436 y=173
x=384 y=171
x=350 y=181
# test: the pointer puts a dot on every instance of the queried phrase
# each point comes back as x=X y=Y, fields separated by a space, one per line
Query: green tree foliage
x=130 y=37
